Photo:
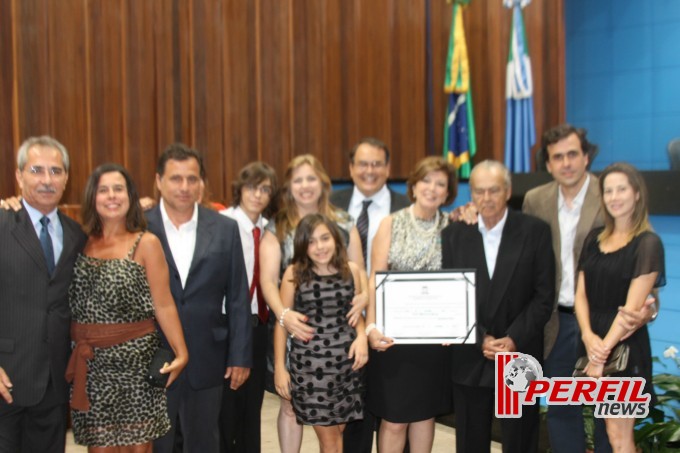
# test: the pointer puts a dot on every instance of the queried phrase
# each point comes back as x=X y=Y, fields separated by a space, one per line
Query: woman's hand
x=378 y=341
x=174 y=368
x=359 y=352
x=595 y=348
x=594 y=370
x=359 y=304
x=282 y=382
x=296 y=325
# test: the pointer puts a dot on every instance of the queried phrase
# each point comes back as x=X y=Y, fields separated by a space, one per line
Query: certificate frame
x=446 y=310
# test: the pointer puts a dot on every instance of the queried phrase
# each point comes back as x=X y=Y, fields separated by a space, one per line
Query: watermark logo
x=520 y=381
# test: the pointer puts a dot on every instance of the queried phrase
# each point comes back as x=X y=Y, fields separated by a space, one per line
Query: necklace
x=430 y=231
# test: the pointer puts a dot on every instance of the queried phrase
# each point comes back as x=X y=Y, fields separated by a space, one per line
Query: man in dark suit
x=38 y=248
x=369 y=166
x=205 y=261
x=515 y=290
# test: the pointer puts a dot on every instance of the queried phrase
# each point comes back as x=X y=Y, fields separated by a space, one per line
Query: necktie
x=46 y=243
x=362 y=226
x=262 y=311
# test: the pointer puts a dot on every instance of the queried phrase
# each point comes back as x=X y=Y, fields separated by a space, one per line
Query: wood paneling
x=118 y=80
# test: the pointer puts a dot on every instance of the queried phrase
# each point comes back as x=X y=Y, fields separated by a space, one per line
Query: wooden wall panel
x=7 y=119
x=106 y=70
x=67 y=76
x=118 y=80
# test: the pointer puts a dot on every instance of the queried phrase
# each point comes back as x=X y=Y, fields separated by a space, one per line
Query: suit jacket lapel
x=24 y=232
x=508 y=254
x=70 y=241
x=203 y=239
x=550 y=206
x=158 y=228
x=589 y=213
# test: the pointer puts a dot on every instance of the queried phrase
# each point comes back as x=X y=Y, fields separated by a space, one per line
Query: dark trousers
x=241 y=409
x=197 y=412
x=565 y=423
x=474 y=408
x=358 y=435
x=35 y=429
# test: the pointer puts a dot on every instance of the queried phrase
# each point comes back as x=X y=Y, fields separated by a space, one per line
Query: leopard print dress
x=124 y=409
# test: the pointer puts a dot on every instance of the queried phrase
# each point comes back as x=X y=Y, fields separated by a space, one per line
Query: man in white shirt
x=515 y=290
x=369 y=167
x=205 y=262
x=368 y=202
x=240 y=420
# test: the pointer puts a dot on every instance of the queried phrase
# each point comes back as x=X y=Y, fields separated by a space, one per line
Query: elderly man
x=515 y=289
x=205 y=260
x=38 y=248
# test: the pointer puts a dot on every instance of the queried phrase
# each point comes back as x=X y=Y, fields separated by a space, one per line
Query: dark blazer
x=217 y=270
x=342 y=198
x=35 y=317
x=516 y=302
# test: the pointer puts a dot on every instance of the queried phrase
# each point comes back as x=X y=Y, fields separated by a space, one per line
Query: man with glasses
x=368 y=202
x=240 y=419
x=38 y=248
x=369 y=167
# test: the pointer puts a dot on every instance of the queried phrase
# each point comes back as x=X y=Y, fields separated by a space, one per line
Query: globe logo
x=520 y=372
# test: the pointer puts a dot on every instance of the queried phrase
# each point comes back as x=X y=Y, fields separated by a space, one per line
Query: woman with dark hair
x=305 y=191
x=621 y=263
x=410 y=384
x=120 y=289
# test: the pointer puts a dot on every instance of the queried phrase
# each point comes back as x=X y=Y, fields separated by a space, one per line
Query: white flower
x=670 y=352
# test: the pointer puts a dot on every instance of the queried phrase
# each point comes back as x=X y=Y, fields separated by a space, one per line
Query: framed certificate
x=426 y=307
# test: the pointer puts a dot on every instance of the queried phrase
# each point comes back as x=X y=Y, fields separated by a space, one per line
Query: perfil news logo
x=520 y=381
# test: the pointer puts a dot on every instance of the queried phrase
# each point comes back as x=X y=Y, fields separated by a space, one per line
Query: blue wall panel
x=623 y=77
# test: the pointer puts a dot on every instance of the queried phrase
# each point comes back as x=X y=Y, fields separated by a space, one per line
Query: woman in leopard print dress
x=121 y=279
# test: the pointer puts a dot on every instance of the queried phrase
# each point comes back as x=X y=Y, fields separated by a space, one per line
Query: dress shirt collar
x=168 y=223
x=36 y=215
x=242 y=218
x=497 y=229
x=380 y=198
x=577 y=202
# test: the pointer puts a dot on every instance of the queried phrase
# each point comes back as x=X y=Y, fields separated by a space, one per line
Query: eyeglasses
x=40 y=170
x=376 y=164
x=264 y=190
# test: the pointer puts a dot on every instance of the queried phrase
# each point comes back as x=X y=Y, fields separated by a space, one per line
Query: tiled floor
x=444 y=438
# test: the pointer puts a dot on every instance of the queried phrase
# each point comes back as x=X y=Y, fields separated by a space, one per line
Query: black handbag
x=153 y=374
x=617 y=361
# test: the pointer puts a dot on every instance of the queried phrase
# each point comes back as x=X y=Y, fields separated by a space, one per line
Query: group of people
x=278 y=293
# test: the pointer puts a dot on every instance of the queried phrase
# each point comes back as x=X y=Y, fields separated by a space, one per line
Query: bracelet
x=369 y=328
x=283 y=313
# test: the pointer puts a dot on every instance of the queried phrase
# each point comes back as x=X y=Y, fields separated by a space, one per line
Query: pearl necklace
x=431 y=231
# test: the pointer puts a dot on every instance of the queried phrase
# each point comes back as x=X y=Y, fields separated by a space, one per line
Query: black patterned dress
x=124 y=409
x=326 y=391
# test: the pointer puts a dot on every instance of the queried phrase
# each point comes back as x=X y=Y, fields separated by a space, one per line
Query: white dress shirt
x=377 y=210
x=568 y=219
x=492 y=240
x=182 y=241
x=54 y=228
x=245 y=228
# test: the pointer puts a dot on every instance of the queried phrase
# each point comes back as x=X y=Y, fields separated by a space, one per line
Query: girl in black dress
x=322 y=377
x=620 y=265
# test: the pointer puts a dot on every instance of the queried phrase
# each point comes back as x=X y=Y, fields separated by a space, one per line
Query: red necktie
x=262 y=311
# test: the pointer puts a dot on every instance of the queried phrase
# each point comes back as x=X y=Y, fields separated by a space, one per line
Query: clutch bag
x=616 y=362
x=153 y=374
